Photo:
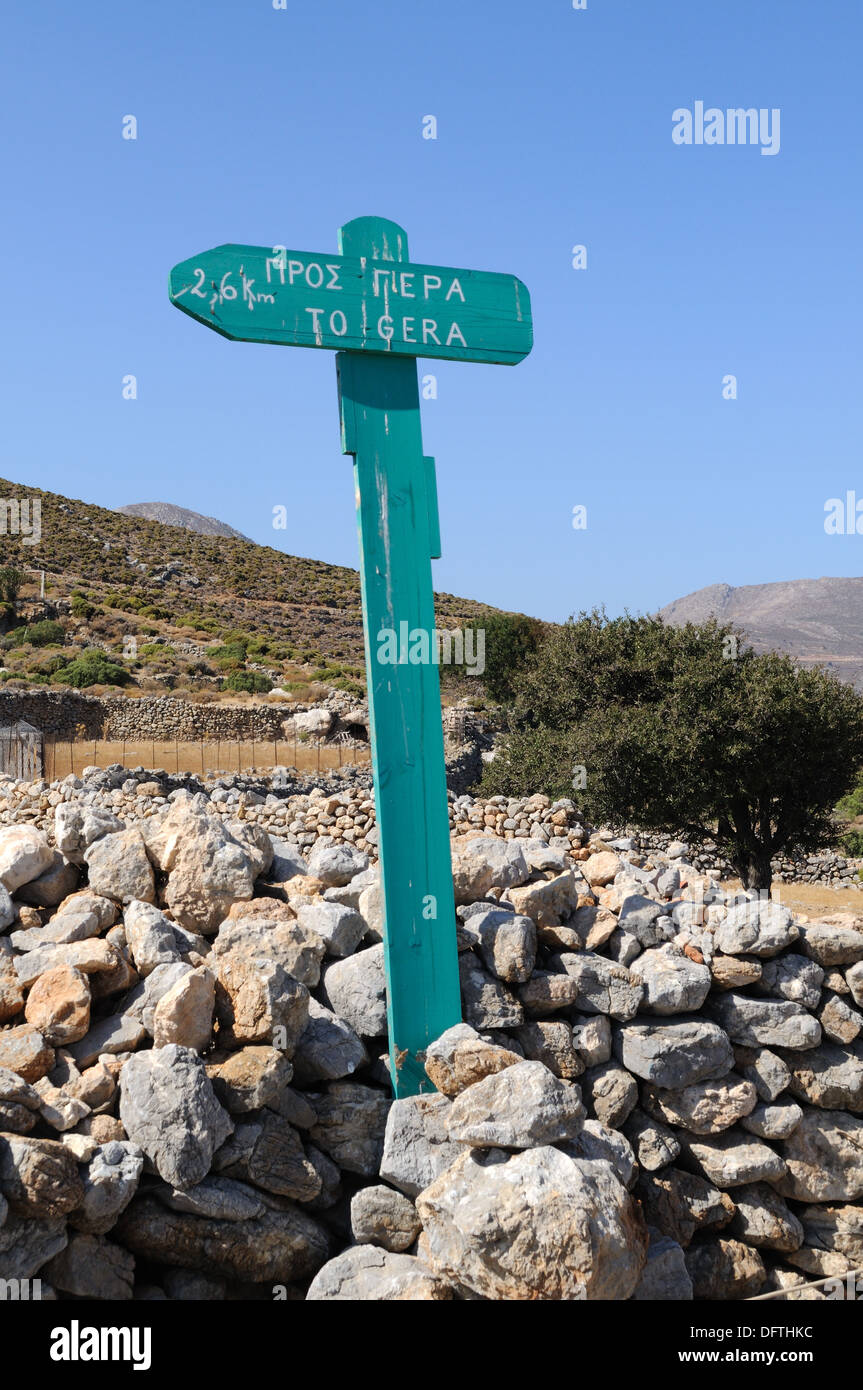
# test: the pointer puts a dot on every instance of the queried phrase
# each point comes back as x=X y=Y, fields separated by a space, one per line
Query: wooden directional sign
x=259 y=294
x=380 y=311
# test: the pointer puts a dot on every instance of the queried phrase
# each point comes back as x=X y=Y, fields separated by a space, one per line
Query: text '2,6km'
x=351 y=303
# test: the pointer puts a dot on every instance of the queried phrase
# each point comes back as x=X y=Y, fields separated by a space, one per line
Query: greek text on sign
x=303 y=299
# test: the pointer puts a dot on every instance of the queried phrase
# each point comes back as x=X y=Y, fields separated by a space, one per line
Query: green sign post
x=380 y=312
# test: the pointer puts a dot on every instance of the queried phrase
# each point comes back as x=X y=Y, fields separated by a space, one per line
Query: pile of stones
x=656 y=1091
x=338 y=807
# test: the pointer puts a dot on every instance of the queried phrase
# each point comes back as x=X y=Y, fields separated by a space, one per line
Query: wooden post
x=396 y=519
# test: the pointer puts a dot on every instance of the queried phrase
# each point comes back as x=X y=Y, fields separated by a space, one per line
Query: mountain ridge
x=816 y=621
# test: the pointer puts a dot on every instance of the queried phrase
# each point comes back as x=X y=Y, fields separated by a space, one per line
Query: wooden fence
x=64 y=756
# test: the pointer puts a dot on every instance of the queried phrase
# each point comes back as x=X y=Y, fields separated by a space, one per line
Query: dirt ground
x=811 y=899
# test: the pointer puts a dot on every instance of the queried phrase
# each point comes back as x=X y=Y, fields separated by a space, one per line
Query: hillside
x=185 y=597
x=813 y=620
x=170 y=515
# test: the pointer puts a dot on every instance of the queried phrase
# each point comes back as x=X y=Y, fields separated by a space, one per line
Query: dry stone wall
x=656 y=1092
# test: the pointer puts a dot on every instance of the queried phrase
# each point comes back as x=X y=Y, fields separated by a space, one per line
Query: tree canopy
x=684 y=730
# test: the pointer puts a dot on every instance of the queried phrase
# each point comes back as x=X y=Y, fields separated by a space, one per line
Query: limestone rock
x=665 y=1277
x=328 y=1048
x=644 y=920
x=611 y=1092
x=828 y=1076
x=208 y=867
x=596 y=1141
x=603 y=986
x=169 y=1110
x=112 y=1034
x=506 y=943
x=418 y=1146
x=773 y=1121
x=118 y=867
x=832 y=944
x=762 y=1219
x=545 y=993
x=250 y=1078
x=350 y=1124
x=460 y=1057
x=534 y=1225
x=59 y=1005
x=184 y=1013
x=793 y=977
x=53 y=885
x=600 y=868
x=682 y=1205
x=486 y=1001
x=92 y=1267
x=24 y=854
x=550 y=1042
x=274 y=933
x=365 y=1273
x=523 y=1107
x=27 y=1243
x=110 y=1182
x=280 y=1246
x=24 y=1050
x=355 y=990
x=336 y=865
x=257 y=1001
x=340 y=928
x=38 y=1177
x=655 y=1145
x=78 y=825
x=149 y=936
x=673 y=984
x=756 y=928
x=278 y=1161
x=707 y=1107
x=486 y=862
x=381 y=1216
x=765 y=1069
x=725 y=1269
x=734 y=1158
x=674 y=1055
x=90 y=957
x=753 y=1022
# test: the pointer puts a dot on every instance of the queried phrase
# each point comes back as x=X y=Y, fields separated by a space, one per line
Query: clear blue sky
x=268 y=127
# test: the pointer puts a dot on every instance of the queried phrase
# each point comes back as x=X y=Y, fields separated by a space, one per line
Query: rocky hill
x=185 y=595
x=816 y=621
x=170 y=515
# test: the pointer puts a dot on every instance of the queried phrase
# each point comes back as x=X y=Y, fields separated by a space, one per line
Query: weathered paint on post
x=380 y=312
x=398 y=532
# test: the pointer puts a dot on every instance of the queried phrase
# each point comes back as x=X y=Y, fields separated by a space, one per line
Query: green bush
x=686 y=731
x=229 y=656
x=43 y=634
x=252 y=681
x=852 y=844
x=91 y=668
x=510 y=640
x=10 y=583
x=81 y=608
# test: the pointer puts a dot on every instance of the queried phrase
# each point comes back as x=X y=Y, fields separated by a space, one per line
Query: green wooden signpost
x=380 y=312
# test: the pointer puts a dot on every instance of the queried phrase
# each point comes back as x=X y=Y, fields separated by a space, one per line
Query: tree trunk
x=754 y=867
